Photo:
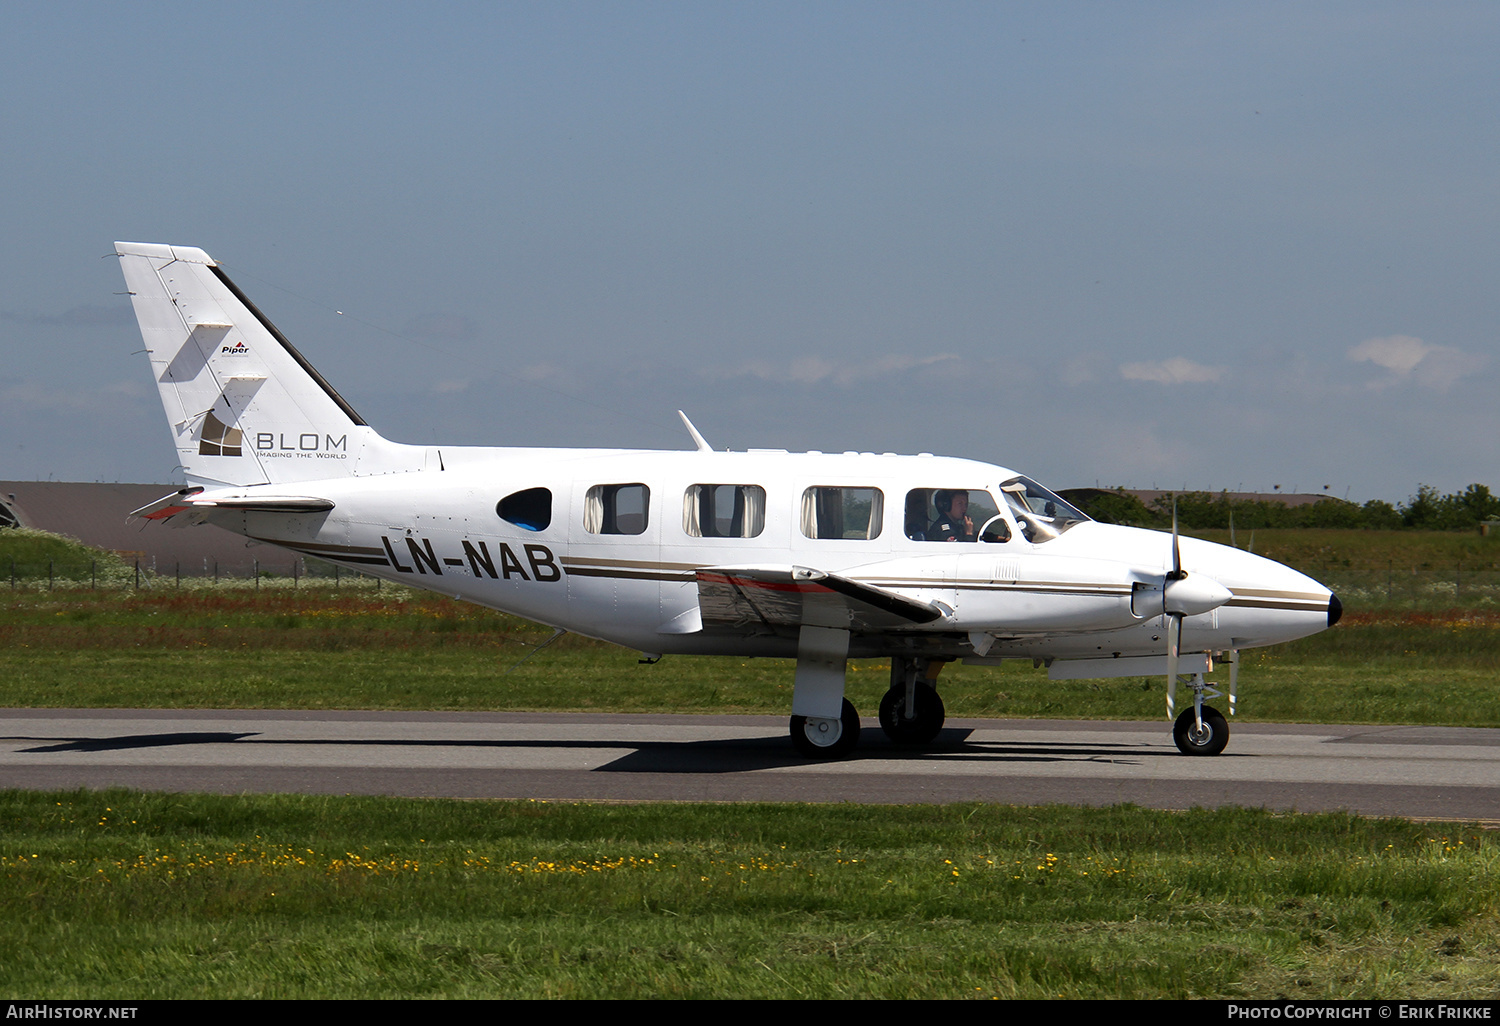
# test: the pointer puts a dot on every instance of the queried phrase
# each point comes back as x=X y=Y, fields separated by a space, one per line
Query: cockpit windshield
x=1042 y=515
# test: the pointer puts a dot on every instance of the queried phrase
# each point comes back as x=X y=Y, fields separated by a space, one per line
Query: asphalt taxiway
x=1420 y=772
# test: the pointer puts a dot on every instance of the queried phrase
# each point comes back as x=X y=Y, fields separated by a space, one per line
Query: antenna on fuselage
x=698 y=439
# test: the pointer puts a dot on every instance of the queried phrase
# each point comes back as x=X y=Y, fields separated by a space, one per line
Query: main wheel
x=920 y=729
x=826 y=739
x=1208 y=741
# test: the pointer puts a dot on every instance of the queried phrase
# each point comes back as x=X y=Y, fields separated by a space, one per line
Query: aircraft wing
x=795 y=596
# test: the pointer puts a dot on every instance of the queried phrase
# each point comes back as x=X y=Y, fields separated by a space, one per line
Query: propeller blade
x=1174 y=621
x=1176 y=574
x=1174 y=641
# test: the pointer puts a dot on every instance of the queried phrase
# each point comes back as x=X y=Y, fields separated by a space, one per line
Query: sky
x=1155 y=245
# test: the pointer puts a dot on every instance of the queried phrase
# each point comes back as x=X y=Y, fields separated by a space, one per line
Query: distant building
x=1149 y=496
x=98 y=515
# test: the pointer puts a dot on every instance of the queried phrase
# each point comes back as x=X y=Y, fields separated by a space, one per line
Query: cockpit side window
x=617 y=509
x=954 y=514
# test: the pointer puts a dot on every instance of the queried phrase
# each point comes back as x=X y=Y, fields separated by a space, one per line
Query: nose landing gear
x=1201 y=730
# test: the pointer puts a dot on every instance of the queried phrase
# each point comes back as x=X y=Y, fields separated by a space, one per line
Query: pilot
x=952 y=523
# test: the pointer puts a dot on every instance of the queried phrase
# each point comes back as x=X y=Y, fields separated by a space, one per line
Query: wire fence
x=1414 y=586
x=142 y=574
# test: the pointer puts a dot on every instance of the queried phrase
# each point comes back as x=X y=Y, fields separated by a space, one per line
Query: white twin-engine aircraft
x=817 y=556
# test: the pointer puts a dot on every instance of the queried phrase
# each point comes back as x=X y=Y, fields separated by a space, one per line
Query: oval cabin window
x=530 y=510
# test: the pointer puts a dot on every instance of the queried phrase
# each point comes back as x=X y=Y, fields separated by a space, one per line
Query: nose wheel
x=1207 y=736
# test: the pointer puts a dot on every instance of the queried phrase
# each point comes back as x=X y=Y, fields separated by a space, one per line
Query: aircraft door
x=614 y=554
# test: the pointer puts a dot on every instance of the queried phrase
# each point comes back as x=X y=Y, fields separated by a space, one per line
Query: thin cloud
x=814 y=370
x=1410 y=359
x=1080 y=370
x=1174 y=371
x=89 y=314
x=450 y=327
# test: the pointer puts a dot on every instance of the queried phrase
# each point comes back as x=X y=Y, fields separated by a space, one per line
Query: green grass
x=1369 y=570
x=1317 y=550
x=37 y=559
x=352 y=648
x=1377 y=570
x=121 y=895
x=124 y=895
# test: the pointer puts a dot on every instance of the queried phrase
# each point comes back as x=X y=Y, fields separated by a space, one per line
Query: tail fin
x=245 y=407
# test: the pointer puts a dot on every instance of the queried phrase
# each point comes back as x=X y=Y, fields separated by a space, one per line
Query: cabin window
x=616 y=509
x=724 y=511
x=954 y=514
x=842 y=512
x=531 y=509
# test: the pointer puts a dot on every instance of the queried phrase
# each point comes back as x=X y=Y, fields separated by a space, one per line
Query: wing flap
x=795 y=596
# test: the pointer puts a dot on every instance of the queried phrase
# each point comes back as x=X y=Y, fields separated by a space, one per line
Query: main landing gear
x=911 y=713
x=819 y=738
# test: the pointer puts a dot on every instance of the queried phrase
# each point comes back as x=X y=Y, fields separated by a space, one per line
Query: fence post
x=257 y=575
x=294 y=575
x=335 y=576
x=216 y=570
x=179 y=575
x=138 y=575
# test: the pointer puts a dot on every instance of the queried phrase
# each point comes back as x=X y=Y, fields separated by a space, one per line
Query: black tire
x=827 y=744
x=1213 y=739
x=924 y=727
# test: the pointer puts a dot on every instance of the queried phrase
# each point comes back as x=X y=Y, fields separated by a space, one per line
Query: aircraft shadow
x=724 y=755
x=128 y=741
x=953 y=745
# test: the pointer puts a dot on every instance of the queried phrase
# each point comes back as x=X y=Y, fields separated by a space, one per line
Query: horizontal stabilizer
x=268 y=504
x=796 y=596
x=167 y=505
x=195 y=500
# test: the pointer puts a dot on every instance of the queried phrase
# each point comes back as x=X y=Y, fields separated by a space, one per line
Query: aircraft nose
x=1335 y=609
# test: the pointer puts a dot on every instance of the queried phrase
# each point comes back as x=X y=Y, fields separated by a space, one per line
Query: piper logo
x=238 y=349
